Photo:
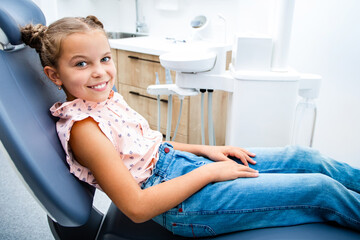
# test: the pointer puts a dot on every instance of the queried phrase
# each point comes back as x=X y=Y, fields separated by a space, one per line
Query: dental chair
x=28 y=133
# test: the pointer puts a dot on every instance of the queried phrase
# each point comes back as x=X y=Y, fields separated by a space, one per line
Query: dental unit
x=263 y=90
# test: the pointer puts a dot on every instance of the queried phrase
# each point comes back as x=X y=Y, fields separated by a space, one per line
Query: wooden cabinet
x=136 y=71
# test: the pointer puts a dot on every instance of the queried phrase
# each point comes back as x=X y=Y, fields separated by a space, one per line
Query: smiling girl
x=192 y=190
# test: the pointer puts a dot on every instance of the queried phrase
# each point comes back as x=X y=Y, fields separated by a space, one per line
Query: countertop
x=159 y=45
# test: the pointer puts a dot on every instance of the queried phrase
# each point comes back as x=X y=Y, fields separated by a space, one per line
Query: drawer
x=146 y=105
x=138 y=69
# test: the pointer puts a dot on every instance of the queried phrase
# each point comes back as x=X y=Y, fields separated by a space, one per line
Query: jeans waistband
x=166 y=152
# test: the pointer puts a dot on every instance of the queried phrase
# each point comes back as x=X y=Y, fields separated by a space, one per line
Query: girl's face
x=85 y=67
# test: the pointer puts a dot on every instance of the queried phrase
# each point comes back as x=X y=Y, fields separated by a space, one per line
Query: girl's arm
x=94 y=150
x=217 y=153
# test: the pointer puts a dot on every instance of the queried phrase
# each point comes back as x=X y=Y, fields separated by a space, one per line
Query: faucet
x=140 y=26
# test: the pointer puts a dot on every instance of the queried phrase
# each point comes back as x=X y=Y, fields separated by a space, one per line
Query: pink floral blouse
x=129 y=132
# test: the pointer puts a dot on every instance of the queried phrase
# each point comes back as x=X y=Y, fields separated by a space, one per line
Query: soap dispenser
x=306 y=110
x=304 y=125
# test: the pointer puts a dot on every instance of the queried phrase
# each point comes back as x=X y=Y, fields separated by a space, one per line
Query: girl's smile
x=99 y=87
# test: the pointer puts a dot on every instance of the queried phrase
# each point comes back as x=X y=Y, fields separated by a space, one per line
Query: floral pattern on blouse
x=129 y=132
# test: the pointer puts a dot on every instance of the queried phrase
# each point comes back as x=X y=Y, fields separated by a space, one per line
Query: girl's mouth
x=99 y=87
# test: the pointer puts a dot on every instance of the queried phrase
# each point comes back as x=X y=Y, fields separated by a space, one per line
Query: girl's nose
x=98 y=71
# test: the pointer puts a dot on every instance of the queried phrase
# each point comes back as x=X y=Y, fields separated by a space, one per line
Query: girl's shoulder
x=62 y=109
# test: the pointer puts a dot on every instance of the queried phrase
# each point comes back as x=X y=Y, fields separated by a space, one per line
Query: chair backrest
x=27 y=128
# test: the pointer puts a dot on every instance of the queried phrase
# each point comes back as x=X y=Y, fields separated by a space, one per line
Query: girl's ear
x=52 y=74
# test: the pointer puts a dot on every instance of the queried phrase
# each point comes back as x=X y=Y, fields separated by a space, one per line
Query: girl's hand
x=222 y=153
x=229 y=170
x=217 y=153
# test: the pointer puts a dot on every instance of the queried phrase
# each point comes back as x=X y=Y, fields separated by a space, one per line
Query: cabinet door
x=146 y=105
x=138 y=69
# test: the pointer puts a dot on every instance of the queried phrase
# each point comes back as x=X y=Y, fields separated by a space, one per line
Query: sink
x=152 y=45
x=188 y=61
x=120 y=35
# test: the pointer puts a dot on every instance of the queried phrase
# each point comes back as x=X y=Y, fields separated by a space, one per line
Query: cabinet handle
x=142 y=59
x=141 y=95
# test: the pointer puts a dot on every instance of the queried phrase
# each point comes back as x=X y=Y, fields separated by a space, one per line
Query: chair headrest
x=16 y=13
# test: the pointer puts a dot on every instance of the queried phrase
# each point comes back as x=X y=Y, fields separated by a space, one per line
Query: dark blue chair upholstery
x=28 y=133
x=27 y=128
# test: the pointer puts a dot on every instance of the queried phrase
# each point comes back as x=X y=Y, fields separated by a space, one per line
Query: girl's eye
x=81 y=64
x=105 y=59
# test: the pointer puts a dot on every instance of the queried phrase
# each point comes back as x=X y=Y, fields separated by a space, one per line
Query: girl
x=192 y=190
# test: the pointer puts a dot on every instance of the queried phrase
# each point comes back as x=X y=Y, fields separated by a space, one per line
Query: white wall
x=325 y=41
x=119 y=15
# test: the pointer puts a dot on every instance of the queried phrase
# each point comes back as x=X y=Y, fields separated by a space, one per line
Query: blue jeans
x=296 y=185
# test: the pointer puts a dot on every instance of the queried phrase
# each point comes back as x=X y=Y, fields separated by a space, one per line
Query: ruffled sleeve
x=69 y=113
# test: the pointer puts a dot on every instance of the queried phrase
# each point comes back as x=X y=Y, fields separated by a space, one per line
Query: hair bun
x=95 y=20
x=32 y=35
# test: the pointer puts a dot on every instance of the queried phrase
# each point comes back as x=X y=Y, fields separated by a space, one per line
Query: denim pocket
x=192 y=230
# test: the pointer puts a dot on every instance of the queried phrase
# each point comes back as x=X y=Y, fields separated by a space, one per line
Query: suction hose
x=158 y=103
x=178 y=121
x=210 y=118
x=169 y=118
x=202 y=117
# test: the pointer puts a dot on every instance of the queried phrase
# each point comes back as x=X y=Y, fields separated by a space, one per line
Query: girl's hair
x=47 y=40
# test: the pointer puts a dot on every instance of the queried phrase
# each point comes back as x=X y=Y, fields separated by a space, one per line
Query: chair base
x=87 y=231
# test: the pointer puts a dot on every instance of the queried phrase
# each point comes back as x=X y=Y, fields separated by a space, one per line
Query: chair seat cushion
x=117 y=226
